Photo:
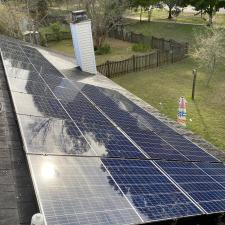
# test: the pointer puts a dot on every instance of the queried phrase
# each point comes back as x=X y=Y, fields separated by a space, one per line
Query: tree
x=105 y=15
x=10 y=19
x=171 y=4
x=144 y=5
x=209 y=51
x=209 y=7
x=38 y=9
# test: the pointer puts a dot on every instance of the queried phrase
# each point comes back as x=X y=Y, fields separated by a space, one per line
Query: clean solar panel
x=151 y=193
x=131 y=117
x=52 y=136
x=76 y=190
x=205 y=190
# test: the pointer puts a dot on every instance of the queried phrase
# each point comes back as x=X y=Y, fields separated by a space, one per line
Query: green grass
x=162 y=88
x=120 y=50
x=178 y=32
x=185 y=17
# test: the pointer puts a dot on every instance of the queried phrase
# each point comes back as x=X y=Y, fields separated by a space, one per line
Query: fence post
x=157 y=57
x=172 y=54
x=108 y=68
x=134 y=63
x=194 y=84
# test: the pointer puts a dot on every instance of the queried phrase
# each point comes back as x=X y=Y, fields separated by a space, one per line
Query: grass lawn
x=178 y=32
x=162 y=88
x=185 y=17
x=120 y=50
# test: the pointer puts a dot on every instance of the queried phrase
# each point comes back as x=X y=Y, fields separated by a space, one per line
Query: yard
x=161 y=15
x=162 y=88
x=178 y=32
x=120 y=50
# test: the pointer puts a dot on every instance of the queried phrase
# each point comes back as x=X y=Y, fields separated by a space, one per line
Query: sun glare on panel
x=48 y=171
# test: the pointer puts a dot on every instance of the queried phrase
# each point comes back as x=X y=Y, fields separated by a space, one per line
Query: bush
x=56 y=29
x=43 y=40
x=140 y=47
x=103 y=50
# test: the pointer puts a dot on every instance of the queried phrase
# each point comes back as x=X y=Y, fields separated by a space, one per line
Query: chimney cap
x=79 y=16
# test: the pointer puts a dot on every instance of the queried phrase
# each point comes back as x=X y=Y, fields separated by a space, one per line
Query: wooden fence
x=167 y=52
x=137 y=63
x=156 y=43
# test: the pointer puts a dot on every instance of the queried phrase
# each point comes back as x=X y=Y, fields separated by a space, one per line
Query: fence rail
x=167 y=52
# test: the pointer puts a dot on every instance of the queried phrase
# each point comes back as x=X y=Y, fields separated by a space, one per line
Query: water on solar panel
x=151 y=193
x=76 y=190
x=112 y=101
x=53 y=136
x=38 y=106
x=22 y=74
x=29 y=87
x=205 y=190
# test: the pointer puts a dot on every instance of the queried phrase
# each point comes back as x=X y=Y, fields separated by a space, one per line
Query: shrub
x=140 y=47
x=43 y=40
x=56 y=29
x=103 y=50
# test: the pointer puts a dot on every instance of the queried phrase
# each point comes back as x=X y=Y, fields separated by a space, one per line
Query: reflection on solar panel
x=38 y=106
x=30 y=87
x=53 y=136
x=131 y=117
x=116 y=181
x=79 y=191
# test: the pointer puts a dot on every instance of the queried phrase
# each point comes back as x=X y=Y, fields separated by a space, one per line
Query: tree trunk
x=141 y=15
x=149 y=15
x=170 y=13
x=210 y=19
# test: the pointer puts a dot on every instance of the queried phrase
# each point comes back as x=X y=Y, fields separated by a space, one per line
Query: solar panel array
x=97 y=158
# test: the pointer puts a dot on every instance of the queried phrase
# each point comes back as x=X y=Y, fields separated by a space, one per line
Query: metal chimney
x=83 y=41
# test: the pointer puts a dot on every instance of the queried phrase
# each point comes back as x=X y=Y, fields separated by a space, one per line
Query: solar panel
x=130 y=117
x=56 y=82
x=107 y=141
x=151 y=193
x=38 y=106
x=198 y=184
x=110 y=183
x=22 y=74
x=76 y=190
x=103 y=136
x=53 y=136
x=29 y=87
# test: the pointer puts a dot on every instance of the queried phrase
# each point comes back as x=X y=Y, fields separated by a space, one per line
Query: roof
x=19 y=196
x=18 y=201
x=67 y=66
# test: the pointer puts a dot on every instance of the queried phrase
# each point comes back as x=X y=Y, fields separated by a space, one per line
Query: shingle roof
x=17 y=198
